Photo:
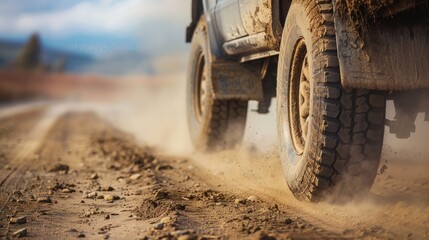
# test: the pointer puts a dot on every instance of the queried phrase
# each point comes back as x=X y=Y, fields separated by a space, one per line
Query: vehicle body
x=331 y=64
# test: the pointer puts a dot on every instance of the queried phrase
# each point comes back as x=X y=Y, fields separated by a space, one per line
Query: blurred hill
x=118 y=63
x=74 y=62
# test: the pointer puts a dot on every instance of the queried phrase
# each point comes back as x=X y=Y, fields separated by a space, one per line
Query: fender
x=390 y=54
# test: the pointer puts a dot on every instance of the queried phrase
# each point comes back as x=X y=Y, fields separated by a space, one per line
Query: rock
x=59 y=168
x=7 y=167
x=138 y=192
x=288 y=221
x=240 y=201
x=100 y=196
x=81 y=235
x=164 y=167
x=66 y=190
x=180 y=206
x=107 y=217
x=18 y=220
x=94 y=176
x=160 y=194
x=20 y=233
x=158 y=226
x=264 y=236
x=44 y=200
x=72 y=230
x=107 y=189
x=135 y=176
x=180 y=233
x=18 y=193
x=186 y=237
x=90 y=195
x=111 y=198
x=252 y=199
x=166 y=220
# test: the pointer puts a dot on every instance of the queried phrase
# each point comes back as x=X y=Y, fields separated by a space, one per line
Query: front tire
x=330 y=137
x=213 y=123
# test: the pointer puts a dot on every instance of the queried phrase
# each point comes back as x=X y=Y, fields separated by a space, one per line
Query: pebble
x=111 y=198
x=158 y=226
x=18 y=220
x=264 y=236
x=252 y=199
x=180 y=206
x=66 y=190
x=166 y=220
x=160 y=194
x=179 y=233
x=185 y=237
x=90 y=195
x=135 y=176
x=107 y=189
x=240 y=201
x=164 y=167
x=59 y=168
x=20 y=233
x=17 y=193
x=44 y=200
x=94 y=176
x=288 y=221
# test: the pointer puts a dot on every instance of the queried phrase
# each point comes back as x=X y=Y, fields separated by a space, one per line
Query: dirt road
x=122 y=168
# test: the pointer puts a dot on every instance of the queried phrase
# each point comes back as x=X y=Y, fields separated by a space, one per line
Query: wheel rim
x=200 y=87
x=299 y=97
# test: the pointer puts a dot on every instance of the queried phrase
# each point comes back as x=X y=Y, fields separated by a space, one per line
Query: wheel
x=330 y=137
x=213 y=123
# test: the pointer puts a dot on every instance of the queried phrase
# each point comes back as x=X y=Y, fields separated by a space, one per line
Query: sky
x=98 y=27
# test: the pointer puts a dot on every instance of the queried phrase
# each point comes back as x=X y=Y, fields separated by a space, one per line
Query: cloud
x=96 y=16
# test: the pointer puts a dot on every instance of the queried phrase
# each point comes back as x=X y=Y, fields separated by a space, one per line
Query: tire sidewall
x=199 y=45
x=296 y=27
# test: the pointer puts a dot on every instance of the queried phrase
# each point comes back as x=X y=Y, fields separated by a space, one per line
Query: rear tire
x=213 y=123
x=330 y=137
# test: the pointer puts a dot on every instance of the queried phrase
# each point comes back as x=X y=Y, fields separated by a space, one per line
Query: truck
x=331 y=65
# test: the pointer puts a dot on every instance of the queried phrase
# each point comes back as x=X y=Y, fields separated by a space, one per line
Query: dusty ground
x=122 y=171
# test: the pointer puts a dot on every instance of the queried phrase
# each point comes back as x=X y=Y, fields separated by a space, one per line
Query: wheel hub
x=200 y=89
x=304 y=98
x=299 y=97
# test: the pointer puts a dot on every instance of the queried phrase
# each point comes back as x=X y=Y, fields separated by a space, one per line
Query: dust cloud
x=154 y=112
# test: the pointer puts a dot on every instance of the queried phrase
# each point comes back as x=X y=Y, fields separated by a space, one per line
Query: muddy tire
x=330 y=137
x=213 y=124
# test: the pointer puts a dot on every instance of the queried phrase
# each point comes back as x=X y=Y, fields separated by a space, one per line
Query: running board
x=253 y=43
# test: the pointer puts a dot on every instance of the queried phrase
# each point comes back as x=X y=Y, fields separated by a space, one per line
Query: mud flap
x=235 y=80
x=391 y=54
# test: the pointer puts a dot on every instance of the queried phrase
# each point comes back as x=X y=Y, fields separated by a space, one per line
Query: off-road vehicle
x=331 y=65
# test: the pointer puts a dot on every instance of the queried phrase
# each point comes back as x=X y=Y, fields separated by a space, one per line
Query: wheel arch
x=197 y=10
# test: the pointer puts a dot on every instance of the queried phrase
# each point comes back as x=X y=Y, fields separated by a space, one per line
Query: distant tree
x=29 y=57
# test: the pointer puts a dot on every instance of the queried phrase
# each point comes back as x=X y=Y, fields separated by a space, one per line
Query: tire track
x=22 y=135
